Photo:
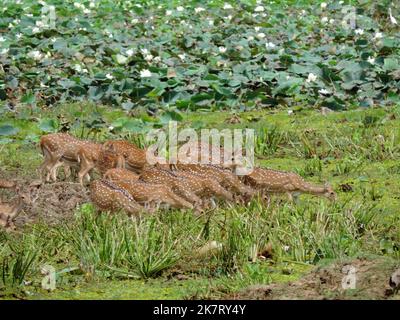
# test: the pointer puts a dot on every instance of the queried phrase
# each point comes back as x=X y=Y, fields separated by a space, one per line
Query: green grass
x=113 y=256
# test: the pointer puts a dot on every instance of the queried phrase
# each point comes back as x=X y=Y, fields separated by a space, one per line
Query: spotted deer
x=61 y=149
x=274 y=181
x=148 y=194
x=180 y=185
x=204 y=186
x=135 y=158
x=120 y=174
x=97 y=158
x=107 y=196
x=224 y=177
x=10 y=211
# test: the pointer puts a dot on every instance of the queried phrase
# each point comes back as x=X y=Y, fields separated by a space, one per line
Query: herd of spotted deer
x=129 y=183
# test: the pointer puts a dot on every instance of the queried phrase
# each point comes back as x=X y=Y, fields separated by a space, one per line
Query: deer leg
x=188 y=195
x=86 y=167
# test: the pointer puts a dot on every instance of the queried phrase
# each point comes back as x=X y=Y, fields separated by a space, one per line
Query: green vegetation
x=199 y=55
x=157 y=256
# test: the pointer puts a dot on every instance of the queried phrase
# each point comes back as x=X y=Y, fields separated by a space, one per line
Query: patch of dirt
x=372 y=278
x=52 y=202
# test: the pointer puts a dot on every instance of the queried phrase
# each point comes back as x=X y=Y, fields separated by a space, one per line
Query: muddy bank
x=365 y=278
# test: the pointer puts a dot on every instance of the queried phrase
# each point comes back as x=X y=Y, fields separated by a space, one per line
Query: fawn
x=275 y=181
x=148 y=194
x=59 y=149
x=135 y=158
x=10 y=211
x=6 y=184
x=108 y=196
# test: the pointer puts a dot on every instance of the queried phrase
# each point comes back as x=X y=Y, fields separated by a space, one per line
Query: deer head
x=329 y=192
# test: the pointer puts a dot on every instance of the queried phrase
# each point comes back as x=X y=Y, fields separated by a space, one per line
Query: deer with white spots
x=275 y=181
x=107 y=196
x=204 y=186
x=148 y=194
x=99 y=159
x=224 y=177
x=62 y=149
x=135 y=158
x=180 y=185
x=120 y=174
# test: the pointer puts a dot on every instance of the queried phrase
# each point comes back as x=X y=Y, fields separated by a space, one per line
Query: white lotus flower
x=378 y=35
x=257 y=29
x=259 y=9
x=18 y=35
x=229 y=18
x=129 y=52
x=144 y=51
x=332 y=21
x=199 y=9
x=180 y=8
x=323 y=91
x=2 y=39
x=210 y=22
x=109 y=76
x=35 y=54
x=290 y=112
x=121 y=59
x=324 y=19
x=157 y=59
x=35 y=30
x=78 y=67
x=4 y=51
x=359 y=31
x=182 y=56
x=168 y=12
x=341 y=2
x=222 y=49
x=250 y=38
x=86 y=11
x=148 y=57
x=145 y=73
x=392 y=19
x=92 y=5
x=324 y=5
x=311 y=77
x=227 y=6
x=371 y=60
x=270 y=45
x=260 y=35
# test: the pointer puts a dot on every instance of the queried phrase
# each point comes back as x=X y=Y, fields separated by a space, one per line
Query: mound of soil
x=335 y=281
x=52 y=202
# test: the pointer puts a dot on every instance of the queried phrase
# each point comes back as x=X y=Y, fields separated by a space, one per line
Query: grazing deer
x=224 y=177
x=148 y=194
x=59 y=149
x=135 y=158
x=10 y=211
x=120 y=174
x=204 y=186
x=275 y=181
x=97 y=158
x=179 y=185
x=106 y=195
